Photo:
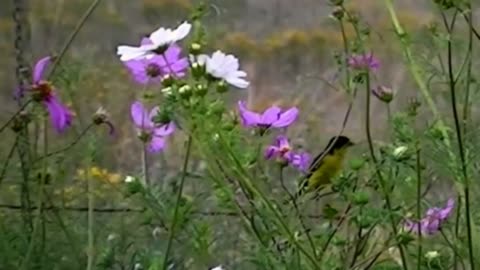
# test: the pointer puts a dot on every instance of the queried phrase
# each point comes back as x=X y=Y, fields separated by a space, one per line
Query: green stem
x=177 y=204
x=26 y=262
x=417 y=75
x=297 y=212
x=246 y=181
x=461 y=149
x=91 y=205
x=378 y=172
x=419 y=213
x=145 y=165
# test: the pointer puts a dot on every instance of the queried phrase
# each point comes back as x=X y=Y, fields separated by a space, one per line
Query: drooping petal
x=140 y=115
x=60 y=115
x=164 y=130
x=270 y=115
x=40 y=67
x=237 y=82
x=248 y=117
x=156 y=144
x=286 y=118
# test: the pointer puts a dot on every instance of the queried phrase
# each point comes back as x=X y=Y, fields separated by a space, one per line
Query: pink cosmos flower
x=43 y=91
x=271 y=117
x=153 y=69
x=432 y=221
x=282 y=152
x=151 y=133
x=364 y=61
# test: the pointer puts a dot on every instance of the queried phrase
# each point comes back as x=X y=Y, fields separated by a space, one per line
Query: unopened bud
x=399 y=152
x=201 y=90
x=338 y=13
x=195 y=48
x=100 y=116
x=167 y=91
x=383 y=93
x=222 y=87
x=198 y=70
x=185 y=91
x=432 y=255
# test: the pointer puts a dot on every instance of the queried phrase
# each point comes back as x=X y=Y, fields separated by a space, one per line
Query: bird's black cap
x=339 y=142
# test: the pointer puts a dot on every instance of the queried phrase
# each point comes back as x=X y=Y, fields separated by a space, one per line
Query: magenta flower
x=151 y=133
x=153 y=69
x=364 y=61
x=271 y=117
x=433 y=220
x=282 y=152
x=43 y=91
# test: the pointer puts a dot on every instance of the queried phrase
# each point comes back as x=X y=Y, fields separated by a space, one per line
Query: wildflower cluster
x=160 y=60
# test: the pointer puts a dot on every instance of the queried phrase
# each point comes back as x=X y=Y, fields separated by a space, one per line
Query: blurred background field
x=286 y=47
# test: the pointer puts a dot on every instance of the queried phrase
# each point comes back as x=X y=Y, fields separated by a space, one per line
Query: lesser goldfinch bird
x=326 y=165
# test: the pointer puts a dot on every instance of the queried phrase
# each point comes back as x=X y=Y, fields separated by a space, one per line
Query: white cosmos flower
x=159 y=38
x=217 y=268
x=225 y=67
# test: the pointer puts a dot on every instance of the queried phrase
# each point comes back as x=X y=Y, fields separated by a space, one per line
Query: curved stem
x=177 y=204
x=461 y=149
x=378 y=172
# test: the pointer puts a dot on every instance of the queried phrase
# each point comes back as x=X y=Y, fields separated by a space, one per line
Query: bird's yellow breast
x=330 y=167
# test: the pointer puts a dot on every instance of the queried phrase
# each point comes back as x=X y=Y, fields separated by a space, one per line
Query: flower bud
x=157 y=231
x=338 y=13
x=201 y=90
x=399 y=152
x=21 y=121
x=167 y=91
x=360 y=198
x=222 y=86
x=100 y=116
x=198 y=70
x=383 y=93
x=432 y=255
x=195 y=48
x=133 y=185
x=185 y=91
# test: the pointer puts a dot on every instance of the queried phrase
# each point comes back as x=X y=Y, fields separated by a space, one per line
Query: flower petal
x=165 y=130
x=39 y=68
x=248 y=117
x=156 y=145
x=139 y=114
x=270 y=115
x=60 y=116
x=282 y=141
x=271 y=151
x=286 y=118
